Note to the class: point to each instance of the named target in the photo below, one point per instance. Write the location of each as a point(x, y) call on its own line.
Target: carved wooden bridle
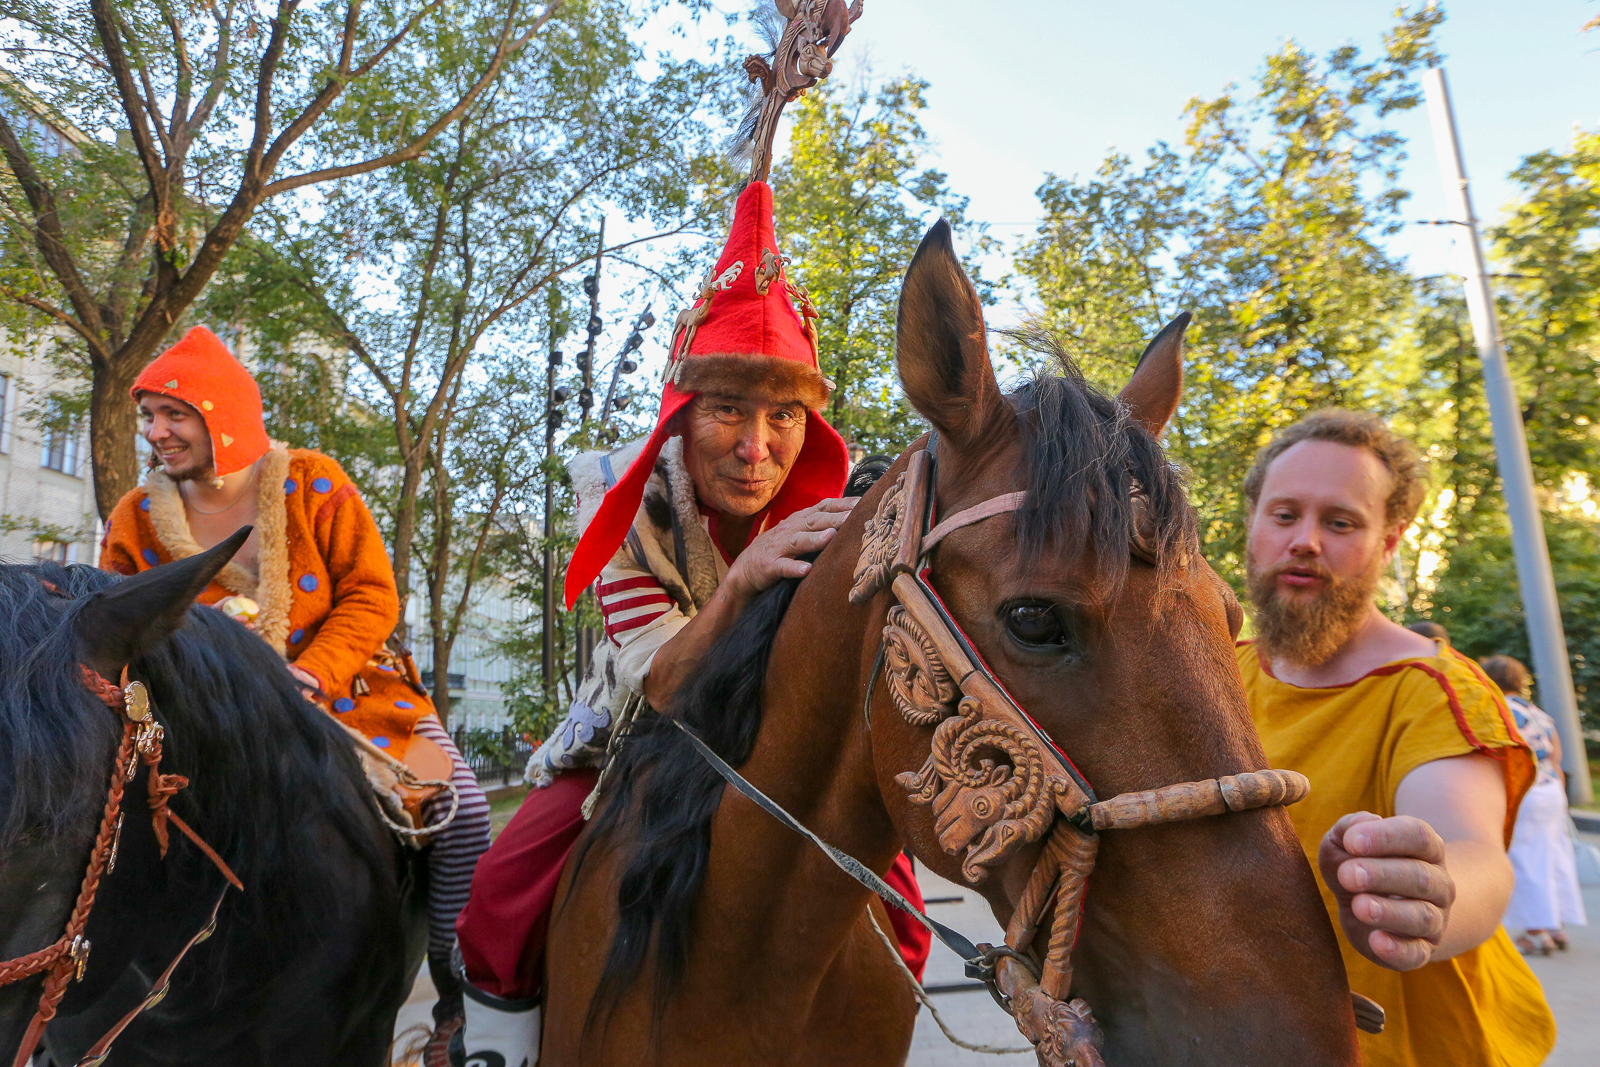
point(994, 779)
point(64, 960)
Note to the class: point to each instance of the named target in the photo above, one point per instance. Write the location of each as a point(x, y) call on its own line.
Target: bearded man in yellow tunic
point(1416, 768)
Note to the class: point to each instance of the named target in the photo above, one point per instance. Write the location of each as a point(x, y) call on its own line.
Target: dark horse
point(695, 929)
point(310, 963)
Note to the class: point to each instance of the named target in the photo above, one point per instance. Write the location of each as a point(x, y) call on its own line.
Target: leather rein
point(64, 961)
point(995, 780)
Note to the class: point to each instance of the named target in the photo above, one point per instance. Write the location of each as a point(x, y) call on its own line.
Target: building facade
point(47, 507)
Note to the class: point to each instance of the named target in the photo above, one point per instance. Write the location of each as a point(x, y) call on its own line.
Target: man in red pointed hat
point(740, 478)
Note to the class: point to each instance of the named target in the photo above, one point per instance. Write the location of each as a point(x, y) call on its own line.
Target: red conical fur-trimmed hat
point(751, 333)
point(200, 371)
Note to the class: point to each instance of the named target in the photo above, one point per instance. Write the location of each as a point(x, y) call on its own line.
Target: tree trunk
point(113, 426)
point(405, 530)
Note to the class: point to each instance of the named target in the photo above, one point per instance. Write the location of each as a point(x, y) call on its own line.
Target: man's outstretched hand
point(773, 556)
point(1393, 889)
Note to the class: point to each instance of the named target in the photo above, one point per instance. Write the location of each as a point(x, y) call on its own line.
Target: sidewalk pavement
point(1571, 980)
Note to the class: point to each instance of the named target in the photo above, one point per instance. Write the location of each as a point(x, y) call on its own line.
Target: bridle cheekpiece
point(995, 780)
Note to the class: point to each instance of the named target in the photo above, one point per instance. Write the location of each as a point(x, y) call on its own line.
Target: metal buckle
point(985, 966)
point(116, 843)
point(78, 952)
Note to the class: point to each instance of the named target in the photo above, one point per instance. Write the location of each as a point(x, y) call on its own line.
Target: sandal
point(1534, 941)
point(1558, 938)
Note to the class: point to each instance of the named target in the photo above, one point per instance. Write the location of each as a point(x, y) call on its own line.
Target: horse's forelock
point(1086, 461)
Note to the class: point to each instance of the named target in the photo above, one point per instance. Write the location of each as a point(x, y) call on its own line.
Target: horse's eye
point(1036, 626)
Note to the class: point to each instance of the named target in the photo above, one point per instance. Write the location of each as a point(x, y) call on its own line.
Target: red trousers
point(506, 922)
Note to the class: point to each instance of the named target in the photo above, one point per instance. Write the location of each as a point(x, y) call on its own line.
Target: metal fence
point(497, 757)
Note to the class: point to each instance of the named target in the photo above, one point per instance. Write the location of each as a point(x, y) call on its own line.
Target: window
point(5, 413)
point(53, 552)
point(61, 450)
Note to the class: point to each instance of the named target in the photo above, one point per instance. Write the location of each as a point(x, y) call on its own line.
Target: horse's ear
point(121, 623)
point(1151, 395)
point(940, 344)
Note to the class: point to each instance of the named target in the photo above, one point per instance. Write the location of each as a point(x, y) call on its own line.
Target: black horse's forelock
point(1083, 456)
point(236, 727)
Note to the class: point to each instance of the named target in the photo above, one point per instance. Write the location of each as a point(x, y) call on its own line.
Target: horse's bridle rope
point(64, 960)
point(986, 809)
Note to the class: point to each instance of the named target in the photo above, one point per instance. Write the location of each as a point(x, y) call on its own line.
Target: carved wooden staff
point(815, 30)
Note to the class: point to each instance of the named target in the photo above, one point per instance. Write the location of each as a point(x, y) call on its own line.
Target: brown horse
point(694, 929)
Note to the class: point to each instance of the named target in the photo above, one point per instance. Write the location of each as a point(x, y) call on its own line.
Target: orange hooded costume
point(325, 587)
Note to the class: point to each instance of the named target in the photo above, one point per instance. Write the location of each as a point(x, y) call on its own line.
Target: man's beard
point(1310, 631)
point(192, 474)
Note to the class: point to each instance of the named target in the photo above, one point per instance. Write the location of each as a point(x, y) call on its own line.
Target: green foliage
point(403, 313)
point(1548, 267)
point(851, 207)
point(1479, 603)
point(1549, 287)
point(1267, 226)
point(182, 121)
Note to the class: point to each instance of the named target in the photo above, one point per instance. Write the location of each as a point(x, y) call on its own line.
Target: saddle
point(403, 788)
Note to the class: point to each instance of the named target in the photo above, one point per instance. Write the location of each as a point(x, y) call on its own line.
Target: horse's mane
point(270, 774)
point(1082, 455)
point(1086, 460)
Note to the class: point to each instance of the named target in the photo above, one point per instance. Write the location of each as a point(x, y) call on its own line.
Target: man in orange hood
point(317, 571)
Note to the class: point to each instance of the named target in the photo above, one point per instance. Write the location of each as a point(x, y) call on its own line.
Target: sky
point(1022, 88)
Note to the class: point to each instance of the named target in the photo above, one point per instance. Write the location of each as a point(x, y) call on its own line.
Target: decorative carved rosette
point(879, 543)
point(921, 686)
point(985, 780)
point(1064, 1033)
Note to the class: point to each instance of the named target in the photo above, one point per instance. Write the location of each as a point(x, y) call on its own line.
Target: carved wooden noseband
point(994, 779)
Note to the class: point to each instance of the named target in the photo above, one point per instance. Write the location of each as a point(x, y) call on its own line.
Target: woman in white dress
point(1546, 895)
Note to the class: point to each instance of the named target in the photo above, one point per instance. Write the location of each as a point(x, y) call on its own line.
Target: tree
point(1547, 269)
point(431, 275)
point(1479, 602)
point(1267, 226)
point(1549, 298)
point(117, 240)
point(851, 207)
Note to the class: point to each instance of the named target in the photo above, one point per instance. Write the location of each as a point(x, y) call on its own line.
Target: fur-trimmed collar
point(702, 576)
point(271, 591)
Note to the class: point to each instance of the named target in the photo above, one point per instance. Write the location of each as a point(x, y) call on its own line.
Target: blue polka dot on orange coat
point(322, 485)
point(307, 583)
point(289, 486)
point(149, 556)
point(404, 704)
point(344, 704)
point(144, 505)
point(381, 742)
point(294, 638)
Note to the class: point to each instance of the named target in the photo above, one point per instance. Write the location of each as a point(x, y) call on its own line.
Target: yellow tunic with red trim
point(1356, 742)
point(325, 587)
